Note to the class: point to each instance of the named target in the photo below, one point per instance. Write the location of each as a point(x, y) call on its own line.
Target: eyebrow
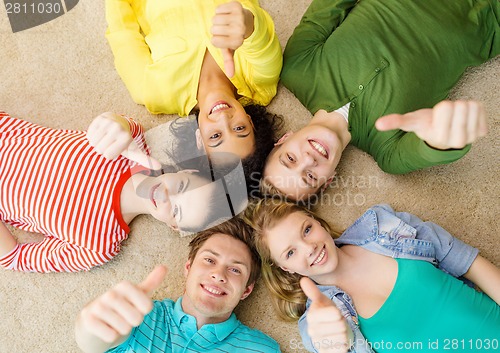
point(216, 254)
point(221, 141)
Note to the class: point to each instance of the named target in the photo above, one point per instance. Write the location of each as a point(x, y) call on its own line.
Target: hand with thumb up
point(109, 134)
point(108, 320)
point(327, 327)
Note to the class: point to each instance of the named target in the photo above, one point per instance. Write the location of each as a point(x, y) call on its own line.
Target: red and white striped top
point(54, 183)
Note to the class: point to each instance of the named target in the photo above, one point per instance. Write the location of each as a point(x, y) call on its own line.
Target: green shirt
point(391, 56)
point(431, 311)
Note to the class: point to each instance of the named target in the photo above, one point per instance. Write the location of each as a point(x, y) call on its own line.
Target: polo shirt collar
point(222, 330)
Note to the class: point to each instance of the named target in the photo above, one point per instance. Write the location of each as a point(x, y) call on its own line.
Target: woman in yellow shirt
point(214, 57)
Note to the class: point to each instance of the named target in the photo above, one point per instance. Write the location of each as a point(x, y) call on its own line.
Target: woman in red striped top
point(82, 189)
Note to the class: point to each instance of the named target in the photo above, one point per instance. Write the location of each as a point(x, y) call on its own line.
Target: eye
point(289, 254)
point(215, 136)
point(311, 176)
point(209, 260)
point(175, 211)
point(307, 230)
point(235, 270)
point(290, 158)
point(239, 128)
point(181, 186)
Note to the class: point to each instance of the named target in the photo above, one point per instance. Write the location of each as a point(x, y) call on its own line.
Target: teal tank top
point(431, 311)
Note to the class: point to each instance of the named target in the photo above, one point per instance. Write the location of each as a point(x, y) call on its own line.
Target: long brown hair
point(286, 295)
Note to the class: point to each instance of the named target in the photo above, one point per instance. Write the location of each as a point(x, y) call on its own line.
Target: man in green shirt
point(352, 62)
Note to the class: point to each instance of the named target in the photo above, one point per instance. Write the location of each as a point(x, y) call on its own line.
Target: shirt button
point(361, 87)
point(353, 104)
point(377, 69)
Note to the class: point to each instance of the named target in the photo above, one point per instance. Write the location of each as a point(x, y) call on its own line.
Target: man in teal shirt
point(351, 62)
point(221, 270)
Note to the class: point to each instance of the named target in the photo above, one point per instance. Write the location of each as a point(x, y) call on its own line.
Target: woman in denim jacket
point(394, 303)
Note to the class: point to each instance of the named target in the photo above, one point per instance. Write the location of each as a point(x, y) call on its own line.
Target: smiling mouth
point(319, 147)
point(219, 106)
point(213, 290)
point(320, 257)
point(152, 194)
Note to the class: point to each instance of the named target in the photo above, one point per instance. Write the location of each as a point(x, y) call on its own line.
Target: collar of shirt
point(221, 330)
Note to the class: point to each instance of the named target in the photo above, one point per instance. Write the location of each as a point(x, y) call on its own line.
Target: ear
point(187, 267)
point(286, 270)
point(247, 291)
point(199, 140)
point(283, 138)
point(328, 181)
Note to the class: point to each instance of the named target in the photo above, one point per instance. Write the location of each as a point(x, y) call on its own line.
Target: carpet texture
point(61, 75)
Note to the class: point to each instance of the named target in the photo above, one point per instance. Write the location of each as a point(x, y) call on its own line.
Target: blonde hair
point(286, 295)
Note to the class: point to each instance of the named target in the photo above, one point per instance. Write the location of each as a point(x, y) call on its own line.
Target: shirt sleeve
point(452, 255)
point(318, 23)
point(52, 255)
point(407, 152)
point(137, 132)
point(131, 52)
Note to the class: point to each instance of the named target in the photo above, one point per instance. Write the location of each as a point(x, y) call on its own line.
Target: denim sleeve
point(360, 343)
point(453, 255)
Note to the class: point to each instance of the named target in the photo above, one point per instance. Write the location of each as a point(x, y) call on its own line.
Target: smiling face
point(178, 199)
point(299, 244)
point(304, 161)
point(216, 279)
point(224, 126)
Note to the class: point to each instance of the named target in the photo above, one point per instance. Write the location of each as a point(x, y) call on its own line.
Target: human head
point(303, 163)
point(194, 200)
point(286, 294)
point(220, 272)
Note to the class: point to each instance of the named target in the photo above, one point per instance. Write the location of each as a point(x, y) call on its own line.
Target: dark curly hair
point(266, 127)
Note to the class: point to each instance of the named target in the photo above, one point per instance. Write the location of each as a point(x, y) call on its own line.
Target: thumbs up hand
point(109, 134)
point(230, 26)
point(113, 315)
point(450, 124)
point(327, 327)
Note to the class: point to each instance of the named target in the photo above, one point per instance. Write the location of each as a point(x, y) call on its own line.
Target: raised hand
point(450, 124)
point(112, 316)
point(327, 327)
point(230, 26)
point(109, 134)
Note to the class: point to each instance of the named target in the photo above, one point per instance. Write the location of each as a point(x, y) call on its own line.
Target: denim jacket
point(398, 235)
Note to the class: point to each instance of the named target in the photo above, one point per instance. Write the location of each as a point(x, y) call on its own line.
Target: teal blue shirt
point(167, 328)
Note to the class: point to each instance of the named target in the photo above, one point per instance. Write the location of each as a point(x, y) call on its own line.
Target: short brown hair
point(237, 229)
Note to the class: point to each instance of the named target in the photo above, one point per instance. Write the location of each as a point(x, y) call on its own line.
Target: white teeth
point(213, 291)
point(318, 147)
point(219, 107)
point(320, 257)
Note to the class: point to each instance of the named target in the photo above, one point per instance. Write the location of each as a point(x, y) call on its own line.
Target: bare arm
point(7, 241)
point(486, 276)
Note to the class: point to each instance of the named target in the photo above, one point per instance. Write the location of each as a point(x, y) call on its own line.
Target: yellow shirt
point(159, 47)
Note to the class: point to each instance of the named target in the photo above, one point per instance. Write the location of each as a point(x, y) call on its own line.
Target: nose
point(307, 160)
point(218, 275)
point(310, 248)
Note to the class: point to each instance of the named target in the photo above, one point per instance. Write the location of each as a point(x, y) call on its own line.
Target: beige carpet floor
point(61, 75)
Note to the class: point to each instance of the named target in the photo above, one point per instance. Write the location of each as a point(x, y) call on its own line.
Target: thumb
point(153, 280)
point(228, 56)
point(312, 291)
point(135, 154)
point(406, 122)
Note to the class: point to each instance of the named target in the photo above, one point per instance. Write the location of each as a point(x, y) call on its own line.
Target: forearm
point(89, 343)
point(486, 276)
point(7, 241)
